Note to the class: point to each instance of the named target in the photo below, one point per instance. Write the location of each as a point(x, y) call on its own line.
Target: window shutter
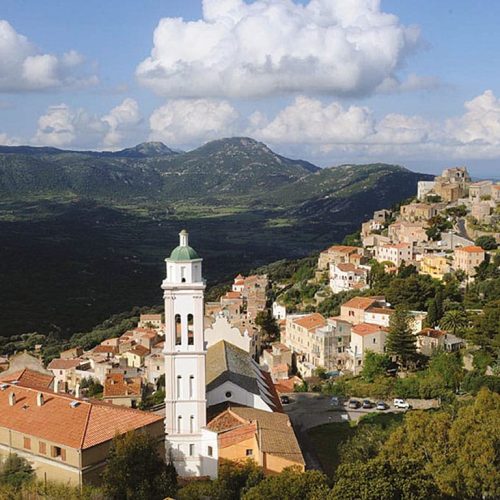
point(63, 454)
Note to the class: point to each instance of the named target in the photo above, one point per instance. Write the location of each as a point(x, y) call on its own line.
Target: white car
point(401, 403)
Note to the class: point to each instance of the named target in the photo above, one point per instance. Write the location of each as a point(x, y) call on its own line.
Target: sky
point(329, 81)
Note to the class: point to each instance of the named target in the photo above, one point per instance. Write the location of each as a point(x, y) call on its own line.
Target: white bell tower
point(192, 447)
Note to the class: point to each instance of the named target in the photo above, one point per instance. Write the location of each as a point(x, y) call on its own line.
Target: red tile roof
point(63, 364)
point(360, 302)
point(311, 321)
point(87, 424)
point(366, 329)
point(470, 249)
point(117, 385)
point(29, 378)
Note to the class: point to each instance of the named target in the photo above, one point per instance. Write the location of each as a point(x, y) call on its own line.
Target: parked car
point(334, 401)
point(354, 404)
point(367, 404)
point(401, 403)
point(382, 406)
point(285, 399)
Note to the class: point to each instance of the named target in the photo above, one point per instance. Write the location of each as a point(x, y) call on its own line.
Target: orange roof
point(342, 249)
point(360, 302)
point(139, 350)
point(311, 321)
point(470, 249)
point(431, 332)
point(287, 385)
point(87, 424)
point(104, 349)
point(346, 267)
point(117, 385)
point(150, 317)
point(63, 364)
point(366, 329)
point(29, 378)
point(232, 295)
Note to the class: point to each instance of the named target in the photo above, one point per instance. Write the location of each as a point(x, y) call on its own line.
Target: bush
point(475, 380)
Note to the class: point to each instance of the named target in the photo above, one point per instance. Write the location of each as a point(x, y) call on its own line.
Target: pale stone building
point(344, 277)
point(468, 258)
point(397, 253)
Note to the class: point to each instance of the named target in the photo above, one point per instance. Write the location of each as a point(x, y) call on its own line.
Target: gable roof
point(360, 302)
point(30, 378)
point(311, 321)
point(226, 362)
point(366, 329)
point(63, 364)
point(117, 385)
point(81, 426)
point(470, 249)
point(274, 431)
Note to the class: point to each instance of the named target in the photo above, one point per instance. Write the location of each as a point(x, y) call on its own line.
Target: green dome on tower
point(183, 251)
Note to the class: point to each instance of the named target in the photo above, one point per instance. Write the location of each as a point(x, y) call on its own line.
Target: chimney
point(56, 385)
point(77, 391)
point(39, 399)
point(12, 399)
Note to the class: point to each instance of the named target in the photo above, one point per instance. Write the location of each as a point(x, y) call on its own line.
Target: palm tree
point(454, 321)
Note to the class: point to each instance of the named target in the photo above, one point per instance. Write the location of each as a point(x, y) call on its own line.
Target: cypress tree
point(439, 303)
point(400, 340)
point(432, 313)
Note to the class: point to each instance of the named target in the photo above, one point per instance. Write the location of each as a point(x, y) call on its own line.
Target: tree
point(135, 469)
point(486, 242)
point(268, 325)
point(374, 365)
point(432, 313)
point(93, 387)
point(448, 368)
point(292, 484)
point(454, 321)
point(400, 339)
point(15, 471)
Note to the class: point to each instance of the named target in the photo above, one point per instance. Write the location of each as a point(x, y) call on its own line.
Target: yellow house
point(136, 356)
point(266, 437)
point(435, 265)
point(65, 439)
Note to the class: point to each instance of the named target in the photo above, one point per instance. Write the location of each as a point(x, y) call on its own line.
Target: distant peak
point(147, 149)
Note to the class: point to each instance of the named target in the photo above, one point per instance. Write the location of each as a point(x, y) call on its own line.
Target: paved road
point(461, 229)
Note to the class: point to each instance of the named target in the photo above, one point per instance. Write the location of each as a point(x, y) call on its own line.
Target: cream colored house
point(397, 253)
point(408, 232)
point(420, 211)
point(136, 356)
point(339, 254)
point(365, 337)
point(468, 258)
point(66, 439)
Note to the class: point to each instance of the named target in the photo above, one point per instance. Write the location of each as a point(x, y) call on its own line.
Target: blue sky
point(328, 81)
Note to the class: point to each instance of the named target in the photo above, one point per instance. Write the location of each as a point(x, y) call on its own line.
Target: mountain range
point(83, 234)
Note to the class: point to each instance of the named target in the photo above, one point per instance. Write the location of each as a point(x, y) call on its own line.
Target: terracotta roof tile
point(366, 329)
point(63, 364)
point(117, 385)
point(470, 249)
point(29, 378)
point(83, 426)
point(360, 302)
point(311, 321)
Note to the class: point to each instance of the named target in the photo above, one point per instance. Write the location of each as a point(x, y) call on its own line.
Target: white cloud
point(324, 129)
point(269, 47)
point(24, 68)
point(121, 120)
point(188, 122)
point(63, 126)
point(6, 140)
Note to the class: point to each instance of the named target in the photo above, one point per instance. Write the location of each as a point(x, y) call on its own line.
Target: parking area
point(307, 410)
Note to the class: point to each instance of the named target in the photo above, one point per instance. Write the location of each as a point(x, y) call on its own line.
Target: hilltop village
point(221, 380)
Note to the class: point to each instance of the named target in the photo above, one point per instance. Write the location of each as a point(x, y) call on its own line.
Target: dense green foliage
point(14, 471)
point(401, 341)
point(136, 471)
